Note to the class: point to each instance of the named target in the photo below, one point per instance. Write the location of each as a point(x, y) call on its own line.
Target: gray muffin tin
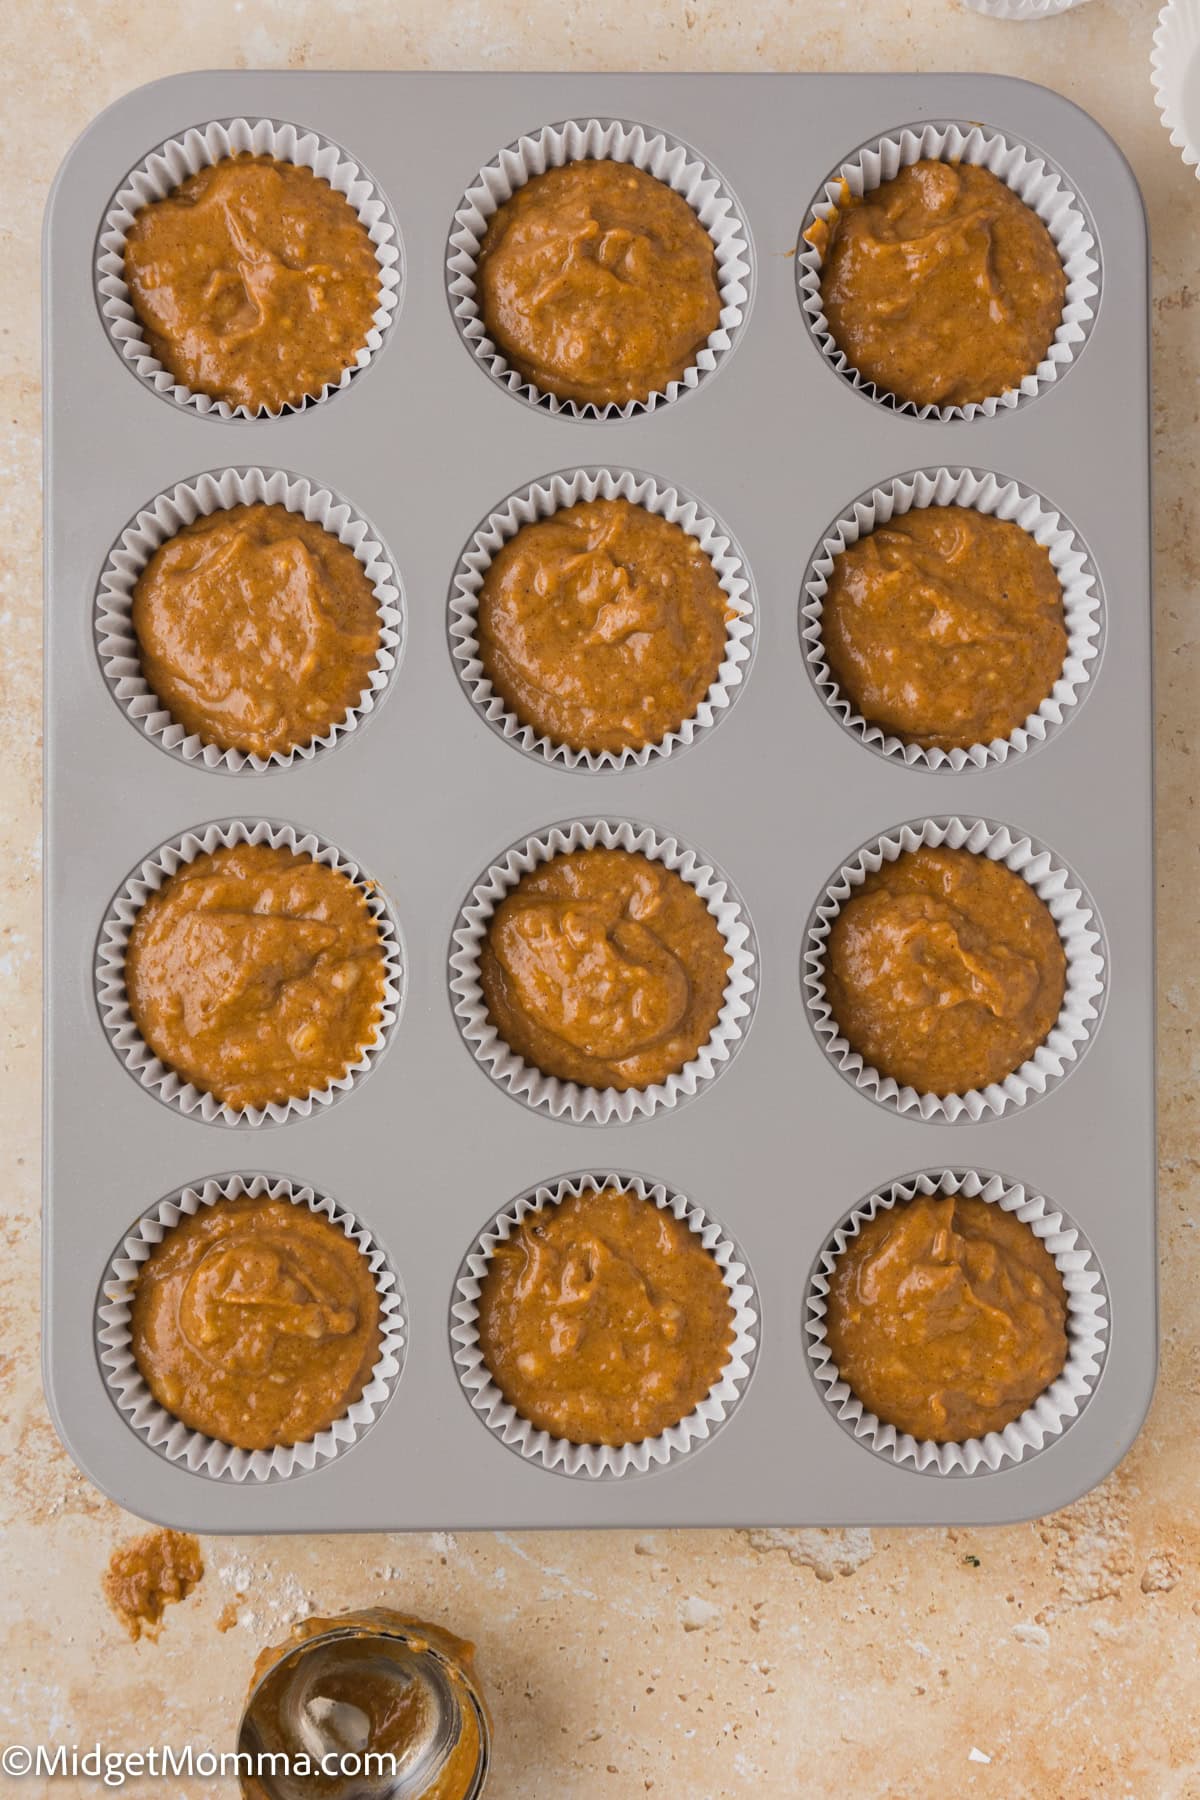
point(778, 1150)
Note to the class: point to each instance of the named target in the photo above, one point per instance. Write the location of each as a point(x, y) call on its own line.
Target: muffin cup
point(1022, 9)
point(1053, 1411)
point(567, 1099)
point(583, 140)
point(1176, 51)
point(169, 1436)
point(995, 497)
point(163, 1082)
point(1074, 914)
point(603, 1460)
point(1032, 179)
point(541, 501)
point(169, 165)
point(166, 515)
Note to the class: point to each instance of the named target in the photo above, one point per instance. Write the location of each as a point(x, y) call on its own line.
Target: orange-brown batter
point(148, 1574)
point(947, 1317)
point(604, 1320)
point(598, 283)
point(258, 630)
point(945, 970)
point(257, 974)
point(255, 281)
point(605, 968)
point(256, 1322)
point(941, 286)
point(603, 626)
point(945, 627)
point(396, 1717)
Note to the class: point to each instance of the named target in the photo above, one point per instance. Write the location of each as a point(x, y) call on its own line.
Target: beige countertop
point(1056, 1659)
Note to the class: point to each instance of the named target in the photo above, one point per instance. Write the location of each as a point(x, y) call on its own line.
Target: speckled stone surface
point(1055, 1661)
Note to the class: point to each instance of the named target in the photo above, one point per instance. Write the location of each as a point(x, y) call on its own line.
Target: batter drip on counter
point(945, 971)
point(257, 974)
point(257, 629)
point(947, 1317)
point(605, 968)
point(255, 282)
point(940, 286)
point(603, 1319)
point(603, 626)
point(945, 626)
point(148, 1574)
point(598, 283)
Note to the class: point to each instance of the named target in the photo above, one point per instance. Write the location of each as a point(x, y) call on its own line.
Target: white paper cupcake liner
point(167, 1435)
point(1032, 178)
point(1074, 913)
point(567, 1099)
point(1053, 1411)
point(1174, 63)
point(581, 140)
point(169, 165)
point(540, 501)
point(163, 1082)
point(998, 498)
point(166, 515)
point(1022, 9)
point(596, 1461)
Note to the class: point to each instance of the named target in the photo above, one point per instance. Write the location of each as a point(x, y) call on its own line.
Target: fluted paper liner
point(1074, 914)
point(1022, 10)
point(169, 1436)
point(998, 498)
point(581, 140)
point(1032, 179)
point(603, 1460)
point(167, 514)
point(169, 165)
point(540, 501)
point(1053, 1411)
point(1173, 64)
point(115, 1014)
point(567, 1099)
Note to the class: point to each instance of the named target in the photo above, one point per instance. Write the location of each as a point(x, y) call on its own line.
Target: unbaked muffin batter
point(945, 970)
point(256, 973)
point(605, 968)
point(945, 627)
point(257, 629)
point(947, 1317)
point(941, 286)
point(604, 1320)
point(603, 626)
point(256, 1321)
point(598, 283)
point(255, 281)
